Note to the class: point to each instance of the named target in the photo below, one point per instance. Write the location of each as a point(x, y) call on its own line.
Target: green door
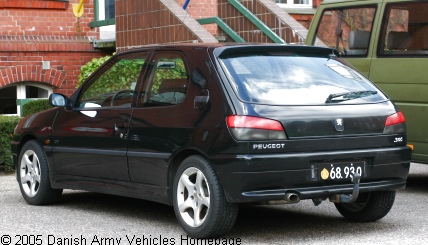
point(400, 67)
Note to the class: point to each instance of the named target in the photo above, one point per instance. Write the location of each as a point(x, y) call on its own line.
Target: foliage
point(34, 107)
point(7, 125)
point(87, 69)
point(179, 71)
point(120, 76)
point(123, 73)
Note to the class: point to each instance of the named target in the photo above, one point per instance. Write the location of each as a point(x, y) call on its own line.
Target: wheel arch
point(175, 164)
point(24, 139)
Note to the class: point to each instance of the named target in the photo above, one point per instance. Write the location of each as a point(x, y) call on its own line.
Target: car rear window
point(286, 78)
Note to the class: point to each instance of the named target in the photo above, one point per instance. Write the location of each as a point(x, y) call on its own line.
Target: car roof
point(193, 45)
point(222, 47)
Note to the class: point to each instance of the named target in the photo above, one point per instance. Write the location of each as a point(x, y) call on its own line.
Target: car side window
point(168, 81)
point(115, 86)
point(346, 29)
point(404, 30)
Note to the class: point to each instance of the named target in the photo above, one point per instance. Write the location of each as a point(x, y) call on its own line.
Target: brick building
point(42, 48)
point(43, 45)
point(164, 21)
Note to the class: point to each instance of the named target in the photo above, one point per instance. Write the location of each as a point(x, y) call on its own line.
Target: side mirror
point(58, 100)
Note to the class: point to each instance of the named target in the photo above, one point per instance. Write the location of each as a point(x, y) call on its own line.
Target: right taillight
point(395, 124)
point(255, 128)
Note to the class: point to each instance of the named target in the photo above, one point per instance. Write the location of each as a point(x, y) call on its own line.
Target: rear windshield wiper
point(350, 95)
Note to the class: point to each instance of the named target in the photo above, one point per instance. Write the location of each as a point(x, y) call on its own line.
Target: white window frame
point(109, 31)
point(290, 4)
point(21, 93)
point(101, 10)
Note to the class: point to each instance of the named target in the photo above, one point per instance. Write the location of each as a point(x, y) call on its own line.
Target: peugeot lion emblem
point(338, 124)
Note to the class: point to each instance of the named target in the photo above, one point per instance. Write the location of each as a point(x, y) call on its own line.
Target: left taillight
point(255, 128)
point(395, 124)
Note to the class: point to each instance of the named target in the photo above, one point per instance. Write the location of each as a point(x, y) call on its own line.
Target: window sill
point(99, 23)
point(310, 11)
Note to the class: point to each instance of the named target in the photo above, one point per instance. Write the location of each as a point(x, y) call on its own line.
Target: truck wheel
point(199, 201)
point(33, 176)
point(368, 207)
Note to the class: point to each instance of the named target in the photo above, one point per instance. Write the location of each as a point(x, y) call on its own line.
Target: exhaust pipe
point(288, 199)
point(292, 198)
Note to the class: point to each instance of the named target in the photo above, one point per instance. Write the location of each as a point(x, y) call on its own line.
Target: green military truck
point(387, 40)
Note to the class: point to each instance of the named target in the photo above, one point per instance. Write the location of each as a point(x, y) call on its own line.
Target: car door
point(162, 121)
point(90, 139)
point(400, 67)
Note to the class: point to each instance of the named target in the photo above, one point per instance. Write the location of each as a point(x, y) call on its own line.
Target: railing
point(222, 25)
point(285, 28)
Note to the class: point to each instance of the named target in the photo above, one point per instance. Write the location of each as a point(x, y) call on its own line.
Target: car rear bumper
point(255, 178)
point(324, 191)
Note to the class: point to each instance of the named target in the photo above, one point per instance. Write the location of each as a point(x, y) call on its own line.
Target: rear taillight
point(395, 124)
point(395, 118)
point(255, 128)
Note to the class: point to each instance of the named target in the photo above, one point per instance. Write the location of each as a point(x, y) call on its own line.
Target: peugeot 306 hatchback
point(205, 127)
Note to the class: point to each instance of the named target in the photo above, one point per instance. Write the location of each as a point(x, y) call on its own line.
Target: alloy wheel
point(193, 197)
point(30, 173)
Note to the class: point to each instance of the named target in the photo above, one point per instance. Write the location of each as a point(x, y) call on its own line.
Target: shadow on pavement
point(418, 178)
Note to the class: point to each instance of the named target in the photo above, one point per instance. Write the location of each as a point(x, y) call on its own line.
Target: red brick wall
point(20, 62)
point(316, 3)
point(18, 20)
point(271, 15)
point(304, 19)
point(200, 9)
point(32, 31)
point(155, 22)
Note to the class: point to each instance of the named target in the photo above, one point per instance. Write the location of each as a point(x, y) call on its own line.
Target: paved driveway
point(95, 219)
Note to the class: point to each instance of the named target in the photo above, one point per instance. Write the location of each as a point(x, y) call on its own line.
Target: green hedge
point(35, 106)
point(7, 125)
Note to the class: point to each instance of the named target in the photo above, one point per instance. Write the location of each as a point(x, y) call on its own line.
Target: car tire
point(368, 207)
point(33, 176)
point(199, 201)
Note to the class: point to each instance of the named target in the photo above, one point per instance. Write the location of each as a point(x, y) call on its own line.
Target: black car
point(205, 127)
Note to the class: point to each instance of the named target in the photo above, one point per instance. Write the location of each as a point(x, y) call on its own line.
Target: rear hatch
point(326, 128)
point(319, 100)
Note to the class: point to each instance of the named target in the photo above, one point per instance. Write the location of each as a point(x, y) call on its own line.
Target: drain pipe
point(185, 4)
